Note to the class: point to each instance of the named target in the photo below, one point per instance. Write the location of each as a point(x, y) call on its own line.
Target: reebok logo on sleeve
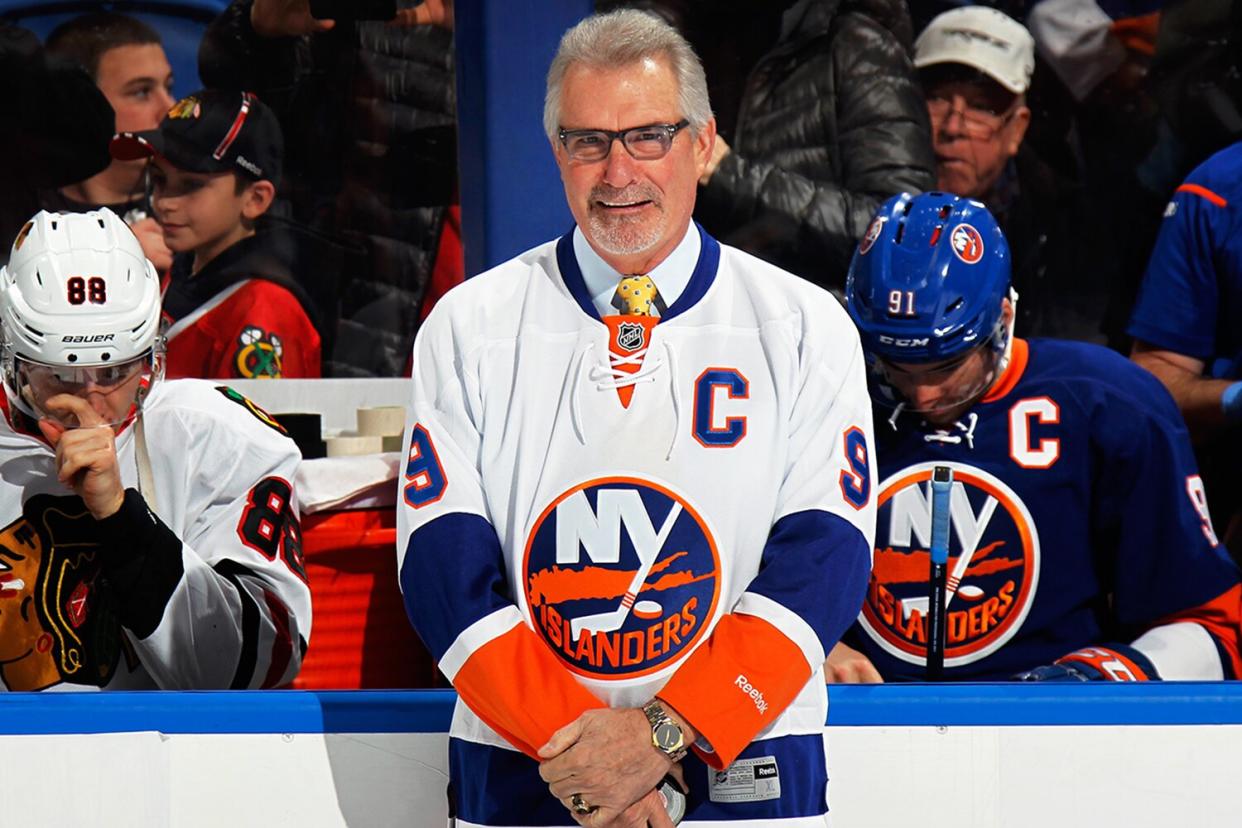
point(751, 691)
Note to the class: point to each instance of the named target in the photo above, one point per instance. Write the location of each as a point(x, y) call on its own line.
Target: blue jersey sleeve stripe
point(452, 576)
point(816, 565)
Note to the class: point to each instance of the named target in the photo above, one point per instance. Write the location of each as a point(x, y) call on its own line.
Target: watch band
point(666, 735)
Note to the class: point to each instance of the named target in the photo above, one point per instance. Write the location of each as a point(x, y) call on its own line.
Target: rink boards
point(913, 755)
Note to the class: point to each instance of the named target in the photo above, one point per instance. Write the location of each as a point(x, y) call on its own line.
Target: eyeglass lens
point(645, 143)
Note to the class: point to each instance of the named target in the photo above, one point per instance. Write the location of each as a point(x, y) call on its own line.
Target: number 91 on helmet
point(80, 305)
point(928, 289)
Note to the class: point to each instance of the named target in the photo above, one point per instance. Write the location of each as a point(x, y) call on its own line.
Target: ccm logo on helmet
point(88, 340)
point(902, 342)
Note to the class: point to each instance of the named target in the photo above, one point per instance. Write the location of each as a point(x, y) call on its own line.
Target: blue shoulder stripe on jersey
point(452, 575)
point(700, 280)
point(493, 786)
point(816, 564)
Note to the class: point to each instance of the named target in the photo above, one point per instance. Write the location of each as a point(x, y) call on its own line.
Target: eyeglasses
point(644, 143)
point(978, 122)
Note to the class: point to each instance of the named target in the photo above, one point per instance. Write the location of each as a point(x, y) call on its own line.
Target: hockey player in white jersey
point(637, 507)
point(148, 529)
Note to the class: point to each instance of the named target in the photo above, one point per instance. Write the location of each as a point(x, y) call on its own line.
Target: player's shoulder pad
point(1218, 180)
point(209, 404)
point(776, 294)
point(1095, 374)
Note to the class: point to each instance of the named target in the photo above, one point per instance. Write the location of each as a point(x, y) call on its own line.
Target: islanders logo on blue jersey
point(622, 577)
point(993, 565)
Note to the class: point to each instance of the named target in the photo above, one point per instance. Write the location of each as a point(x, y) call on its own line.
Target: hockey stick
point(613, 619)
point(942, 486)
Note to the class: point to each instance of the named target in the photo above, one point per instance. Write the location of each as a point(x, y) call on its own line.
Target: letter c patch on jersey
point(621, 577)
point(712, 427)
point(994, 562)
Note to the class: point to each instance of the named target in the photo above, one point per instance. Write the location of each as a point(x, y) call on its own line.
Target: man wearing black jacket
point(65, 126)
point(831, 122)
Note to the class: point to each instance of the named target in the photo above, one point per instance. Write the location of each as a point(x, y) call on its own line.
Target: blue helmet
point(927, 279)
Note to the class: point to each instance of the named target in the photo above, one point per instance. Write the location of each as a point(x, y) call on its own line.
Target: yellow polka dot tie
point(638, 296)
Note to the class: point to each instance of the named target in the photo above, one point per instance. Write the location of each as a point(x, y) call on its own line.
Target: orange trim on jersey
point(1103, 661)
point(1195, 189)
point(614, 323)
point(518, 687)
point(1018, 356)
point(1138, 34)
point(1221, 617)
point(736, 684)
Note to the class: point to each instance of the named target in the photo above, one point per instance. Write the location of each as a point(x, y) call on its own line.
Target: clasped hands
point(605, 757)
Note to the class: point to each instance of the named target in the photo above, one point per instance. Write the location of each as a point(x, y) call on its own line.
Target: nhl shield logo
point(630, 336)
point(622, 577)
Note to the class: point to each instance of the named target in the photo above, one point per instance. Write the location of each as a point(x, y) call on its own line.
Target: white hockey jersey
point(210, 594)
point(594, 511)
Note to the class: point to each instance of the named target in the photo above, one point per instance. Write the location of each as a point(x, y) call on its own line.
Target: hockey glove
point(1112, 662)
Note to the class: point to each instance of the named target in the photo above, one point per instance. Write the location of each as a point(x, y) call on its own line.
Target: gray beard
point(623, 237)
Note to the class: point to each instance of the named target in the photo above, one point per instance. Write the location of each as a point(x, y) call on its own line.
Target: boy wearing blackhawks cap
point(231, 306)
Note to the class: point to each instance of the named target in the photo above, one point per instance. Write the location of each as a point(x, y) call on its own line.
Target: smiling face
point(204, 212)
point(632, 213)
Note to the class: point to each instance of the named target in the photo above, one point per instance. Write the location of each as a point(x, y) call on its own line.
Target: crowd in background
point(1114, 141)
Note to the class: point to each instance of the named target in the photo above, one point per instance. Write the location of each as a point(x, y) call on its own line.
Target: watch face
point(668, 736)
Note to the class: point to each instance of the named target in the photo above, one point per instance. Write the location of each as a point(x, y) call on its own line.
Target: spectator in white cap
point(975, 64)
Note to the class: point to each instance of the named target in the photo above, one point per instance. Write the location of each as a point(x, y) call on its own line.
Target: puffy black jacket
point(369, 115)
point(832, 122)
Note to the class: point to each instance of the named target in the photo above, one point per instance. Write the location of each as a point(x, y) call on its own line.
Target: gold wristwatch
point(666, 735)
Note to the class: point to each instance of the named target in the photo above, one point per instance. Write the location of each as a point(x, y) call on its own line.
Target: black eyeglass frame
point(620, 135)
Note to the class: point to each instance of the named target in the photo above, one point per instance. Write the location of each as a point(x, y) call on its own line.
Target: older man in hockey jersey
point(637, 508)
point(149, 529)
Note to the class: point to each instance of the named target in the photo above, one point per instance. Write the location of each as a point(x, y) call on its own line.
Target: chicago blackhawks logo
point(967, 243)
point(993, 566)
point(57, 622)
point(259, 354)
point(621, 576)
point(187, 107)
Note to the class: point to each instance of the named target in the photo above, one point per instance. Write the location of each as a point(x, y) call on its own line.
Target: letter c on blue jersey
point(737, 387)
point(425, 480)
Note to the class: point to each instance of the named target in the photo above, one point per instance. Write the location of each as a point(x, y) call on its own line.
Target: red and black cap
point(212, 131)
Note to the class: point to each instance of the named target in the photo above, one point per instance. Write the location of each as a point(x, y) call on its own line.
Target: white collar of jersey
point(671, 275)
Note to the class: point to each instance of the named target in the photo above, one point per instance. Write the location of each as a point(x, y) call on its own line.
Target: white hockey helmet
point(79, 302)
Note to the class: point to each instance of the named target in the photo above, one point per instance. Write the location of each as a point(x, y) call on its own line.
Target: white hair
point(623, 38)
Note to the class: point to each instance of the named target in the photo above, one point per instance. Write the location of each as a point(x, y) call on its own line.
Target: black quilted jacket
point(831, 123)
point(369, 115)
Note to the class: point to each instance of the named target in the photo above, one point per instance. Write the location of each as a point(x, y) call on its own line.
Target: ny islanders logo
point(873, 232)
point(993, 566)
point(967, 243)
point(622, 577)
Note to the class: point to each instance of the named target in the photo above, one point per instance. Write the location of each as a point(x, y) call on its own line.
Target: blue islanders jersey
point(1077, 519)
point(1190, 301)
